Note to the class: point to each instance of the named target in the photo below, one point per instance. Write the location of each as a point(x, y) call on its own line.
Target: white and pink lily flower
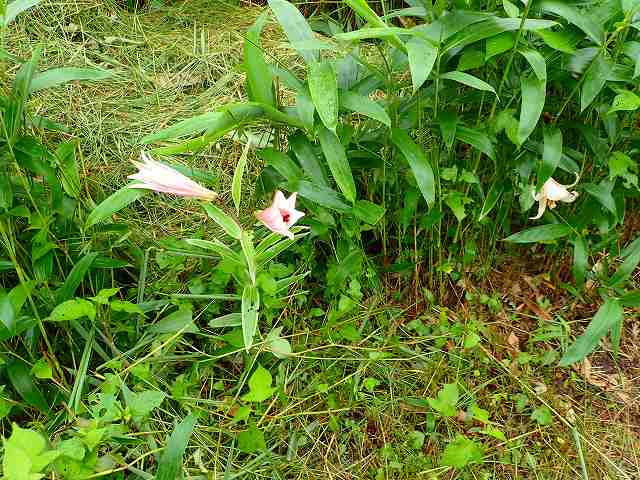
point(161, 178)
point(553, 192)
point(281, 215)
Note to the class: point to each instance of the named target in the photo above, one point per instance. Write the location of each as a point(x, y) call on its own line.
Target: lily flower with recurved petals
point(281, 215)
point(553, 192)
point(161, 178)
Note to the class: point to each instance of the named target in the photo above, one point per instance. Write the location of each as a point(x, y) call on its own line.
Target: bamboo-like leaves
point(323, 86)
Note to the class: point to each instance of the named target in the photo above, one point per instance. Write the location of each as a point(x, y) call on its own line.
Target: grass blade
point(170, 465)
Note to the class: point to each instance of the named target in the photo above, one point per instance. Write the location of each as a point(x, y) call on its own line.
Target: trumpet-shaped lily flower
point(281, 215)
point(161, 178)
point(553, 192)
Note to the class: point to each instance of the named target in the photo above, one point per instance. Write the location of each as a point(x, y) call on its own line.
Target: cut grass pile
point(352, 400)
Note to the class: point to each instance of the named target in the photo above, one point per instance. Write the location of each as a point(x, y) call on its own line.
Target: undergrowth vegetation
point(372, 241)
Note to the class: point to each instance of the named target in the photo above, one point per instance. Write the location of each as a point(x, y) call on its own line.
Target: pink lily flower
point(553, 192)
point(160, 178)
point(281, 215)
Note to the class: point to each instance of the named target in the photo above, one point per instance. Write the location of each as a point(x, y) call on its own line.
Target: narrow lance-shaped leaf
point(113, 203)
point(365, 106)
point(250, 308)
point(170, 465)
point(580, 19)
point(533, 98)
point(249, 254)
point(228, 224)
point(542, 233)
point(580, 260)
point(418, 162)
point(238, 173)
point(537, 62)
point(258, 73)
point(609, 314)
point(469, 80)
point(323, 86)
point(422, 57)
point(551, 154)
point(296, 28)
point(594, 80)
point(362, 8)
point(59, 76)
point(15, 8)
point(338, 164)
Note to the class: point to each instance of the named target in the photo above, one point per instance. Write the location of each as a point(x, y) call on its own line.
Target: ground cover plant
point(390, 240)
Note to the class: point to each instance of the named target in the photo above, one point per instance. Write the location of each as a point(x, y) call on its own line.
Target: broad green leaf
point(305, 108)
point(580, 260)
point(228, 320)
point(622, 166)
point(537, 63)
point(562, 41)
point(336, 158)
point(456, 201)
point(238, 173)
point(70, 177)
point(446, 401)
point(323, 196)
point(625, 100)
point(72, 310)
point(462, 452)
point(542, 416)
point(448, 122)
point(594, 80)
point(580, 18)
point(418, 162)
point(476, 139)
point(632, 50)
point(216, 246)
point(282, 163)
point(422, 57)
point(631, 299)
point(533, 99)
point(141, 404)
point(251, 440)
point(362, 8)
point(170, 465)
point(75, 277)
point(124, 306)
point(628, 6)
point(250, 309)
point(42, 370)
point(501, 43)
point(608, 315)
point(364, 106)
point(295, 27)
point(180, 320)
point(260, 388)
point(258, 73)
point(59, 76)
point(26, 455)
point(631, 256)
point(228, 224)
point(510, 9)
point(603, 193)
point(306, 155)
point(551, 154)
point(15, 8)
point(468, 80)
point(113, 203)
point(20, 376)
point(541, 233)
point(323, 86)
point(492, 199)
point(368, 212)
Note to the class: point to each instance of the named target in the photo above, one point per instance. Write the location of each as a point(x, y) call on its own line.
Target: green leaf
point(631, 256)
point(603, 193)
point(321, 195)
point(295, 27)
point(629, 5)
point(126, 307)
point(541, 233)
point(170, 466)
point(42, 370)
point(362, 8)
point(251, 440)
point(70, 177)
point(249, 254)
point(228, 320)
point(364, 106)
point(228, 224)
point(476, 139)
point(418, 162)
point(537, 63)
point(533, 99)
point(216, 246)
point(238, 173)
point(304, 152)
point(631, 299)
point(113, 203)
point(468, 80)
point(446, 401)
point(368, 212)
point(259, 75)
point(608, 315)
point(492, 199)
point(20, 376)
point(422, 57)
point(59, 76)
point(621, 166)
point(626, 101)
point(501, 43)
point(277, 345)
point(283, 164)
point(260, 388)
point(15, 8)
point(580, 260)
point(542, 416)
point(72, 310)
point(462, 452)
point(551, 155)
point(72, 448)
point(448, 122)
point(579, 18)
point(594, 80)
point(336, 158)
point(510, 9)
point(323, 86)
point(26, 455)
point(181, 319)
point(250, 309)
point(305, 108)
point(141, 404)
point(562, 41)
point(75, 277)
